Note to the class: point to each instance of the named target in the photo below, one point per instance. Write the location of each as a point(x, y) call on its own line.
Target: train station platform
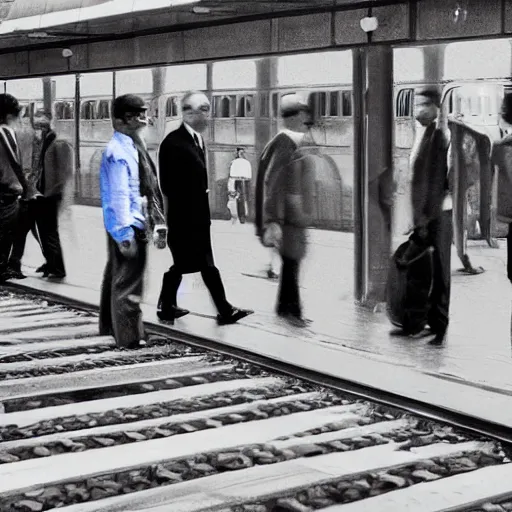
point(470, 373)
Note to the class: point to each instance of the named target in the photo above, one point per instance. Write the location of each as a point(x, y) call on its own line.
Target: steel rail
point(466, 422)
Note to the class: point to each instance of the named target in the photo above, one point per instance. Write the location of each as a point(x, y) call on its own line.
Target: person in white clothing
point(240, 174)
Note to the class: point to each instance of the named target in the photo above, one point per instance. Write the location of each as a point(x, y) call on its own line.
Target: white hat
point(292, 104)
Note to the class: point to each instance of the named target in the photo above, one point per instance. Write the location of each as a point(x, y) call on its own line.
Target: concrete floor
point(477, 351)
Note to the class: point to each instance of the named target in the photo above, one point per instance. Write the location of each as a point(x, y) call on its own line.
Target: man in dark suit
point(432, 204)
point(184, 185)
point(52, 170)
point(13, 183)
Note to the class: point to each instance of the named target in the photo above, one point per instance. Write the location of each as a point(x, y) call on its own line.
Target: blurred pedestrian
point(184, 184)
point(126, 185)
point(52, 172)
point(431, 212)
point(284, 202)
point(13, 182)
point(502, 158)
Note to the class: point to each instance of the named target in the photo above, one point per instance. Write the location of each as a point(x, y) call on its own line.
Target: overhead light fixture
point(38, 35)
point(201, 10)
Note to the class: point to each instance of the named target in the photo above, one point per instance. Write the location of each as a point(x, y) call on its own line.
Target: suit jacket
point(277, 155)
point(58, 167)
point(13, 182)
point(430, 175)
point(502, 158)
point(184, 182)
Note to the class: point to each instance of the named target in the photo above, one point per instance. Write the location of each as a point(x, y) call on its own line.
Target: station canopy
point(27, 22)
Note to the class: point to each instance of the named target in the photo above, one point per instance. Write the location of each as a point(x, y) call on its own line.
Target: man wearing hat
point(283, 202)
point(126, 184)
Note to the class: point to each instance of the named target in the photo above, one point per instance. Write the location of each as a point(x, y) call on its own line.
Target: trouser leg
point(105, 319)
point(509, 252)
point(441, 235)
point(8, 220)
point(26, 221)
point(289, 295)
point(126, 294)
point(213, 281)
point(169, 292)
point(48, 227)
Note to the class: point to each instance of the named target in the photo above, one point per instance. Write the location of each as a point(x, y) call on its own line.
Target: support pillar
point(48, 95)
point(373, 170)
point(209, 95)
point(433, 64)
point(159, 77)
point(78, 174)
point(266, 82)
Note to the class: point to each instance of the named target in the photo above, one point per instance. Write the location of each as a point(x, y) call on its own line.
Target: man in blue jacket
point(127, 185)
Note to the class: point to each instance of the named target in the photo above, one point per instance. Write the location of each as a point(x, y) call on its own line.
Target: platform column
point(433, 64)
point(373, 170)
point(48, 95)
point(266, 82)
point(158, 76)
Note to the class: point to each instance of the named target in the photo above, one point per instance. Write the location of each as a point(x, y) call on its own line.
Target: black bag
point(410, 284)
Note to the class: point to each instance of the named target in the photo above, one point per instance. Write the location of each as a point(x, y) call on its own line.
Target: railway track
point(174, 428)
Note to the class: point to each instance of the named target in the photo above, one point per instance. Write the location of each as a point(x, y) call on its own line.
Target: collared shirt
point(120, 188)
point(194, 135)
point(240, 168)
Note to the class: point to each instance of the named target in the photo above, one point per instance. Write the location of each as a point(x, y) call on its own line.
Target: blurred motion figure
point(284, 201)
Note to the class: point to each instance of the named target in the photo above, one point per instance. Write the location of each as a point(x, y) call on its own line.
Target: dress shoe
point(14, 273)
point(272, 275)
point(439, 338)
point(5, 276)
point(171, 314)
point(414, 334)
point(54, 275)
point(135, 346)
point(296, 321)
point(235, 315)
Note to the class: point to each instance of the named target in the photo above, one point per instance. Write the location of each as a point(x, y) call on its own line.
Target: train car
point(237, 114)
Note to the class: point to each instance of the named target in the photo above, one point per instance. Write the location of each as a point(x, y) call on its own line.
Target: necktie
point(12, 142)
point(196, 139)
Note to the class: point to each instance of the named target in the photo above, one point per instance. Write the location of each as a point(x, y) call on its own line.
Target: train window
point(275, 104)
point(449, 101)
point(88, 110)
point(153, 108)
point(405, 103)
point(346, 103)
point(263, 104)
point(104, 109)
point(240, 110)
point(474, 106)
point(321, 104)
point(59, 110)
point(223, 106)
point(334, 104)
point(249, 106)
point(171, 107)
point(68, 110)
point(485, 106)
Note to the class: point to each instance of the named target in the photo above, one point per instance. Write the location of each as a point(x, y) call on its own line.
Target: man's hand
point(159, 237)
point(128, 248)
